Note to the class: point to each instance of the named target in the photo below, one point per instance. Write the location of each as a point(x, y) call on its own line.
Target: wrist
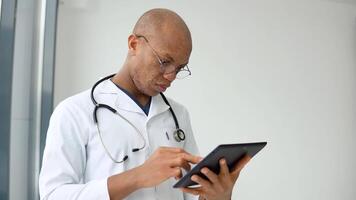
point(139, 181)
point(123, 184)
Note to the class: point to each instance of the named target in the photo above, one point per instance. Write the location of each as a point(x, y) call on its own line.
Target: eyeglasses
point(167, 66)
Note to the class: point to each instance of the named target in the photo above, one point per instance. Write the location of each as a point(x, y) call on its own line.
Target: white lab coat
point(75, 165)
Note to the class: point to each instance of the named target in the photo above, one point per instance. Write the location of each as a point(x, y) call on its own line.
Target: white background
point(278, 71)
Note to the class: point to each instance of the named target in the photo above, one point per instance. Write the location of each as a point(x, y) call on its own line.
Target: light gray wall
point(277, 71)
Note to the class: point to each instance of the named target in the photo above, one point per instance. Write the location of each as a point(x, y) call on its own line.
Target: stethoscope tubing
point(179, 134)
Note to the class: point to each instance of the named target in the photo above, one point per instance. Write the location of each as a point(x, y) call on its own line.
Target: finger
point(179, 176)
point(187, 167)
point(224, 169)
point(176, 173)
point(213, 178)
point(190, 158)
point(205, 184)
point(180, 162)
point(172, 149)
point(193, 191)
point(200, 158)
point(241, 164)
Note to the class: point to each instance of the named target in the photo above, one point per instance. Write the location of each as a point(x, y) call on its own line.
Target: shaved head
point(164, 25)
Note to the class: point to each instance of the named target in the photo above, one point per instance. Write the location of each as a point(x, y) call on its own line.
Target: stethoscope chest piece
point(179, 135)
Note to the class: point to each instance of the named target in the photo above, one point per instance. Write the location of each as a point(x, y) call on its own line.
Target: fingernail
point(194, 178)
point(222, 161)
point(204, 171)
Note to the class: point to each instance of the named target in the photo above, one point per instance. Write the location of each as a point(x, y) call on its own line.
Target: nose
point(170, 76)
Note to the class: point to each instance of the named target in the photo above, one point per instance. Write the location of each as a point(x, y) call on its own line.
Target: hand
point(164, 163)
point(219, 186)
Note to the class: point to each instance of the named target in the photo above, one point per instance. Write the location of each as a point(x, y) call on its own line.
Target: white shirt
point(75, 164)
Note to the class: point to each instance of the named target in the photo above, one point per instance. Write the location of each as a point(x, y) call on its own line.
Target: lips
point(162, 87)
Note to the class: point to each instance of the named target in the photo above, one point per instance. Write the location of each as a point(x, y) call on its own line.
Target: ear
point(132, 44)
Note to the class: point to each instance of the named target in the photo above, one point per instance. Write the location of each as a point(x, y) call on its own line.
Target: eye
point(165, 62)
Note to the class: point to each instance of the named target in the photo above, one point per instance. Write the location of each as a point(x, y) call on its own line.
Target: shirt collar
point(123, 102)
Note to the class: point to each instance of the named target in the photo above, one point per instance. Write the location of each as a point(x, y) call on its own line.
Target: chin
point(152, 94)
point(149, 92)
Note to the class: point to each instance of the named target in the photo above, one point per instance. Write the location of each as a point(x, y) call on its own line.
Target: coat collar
point(122, 101)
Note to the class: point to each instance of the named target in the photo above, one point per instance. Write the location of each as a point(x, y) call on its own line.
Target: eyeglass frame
point(164, 66)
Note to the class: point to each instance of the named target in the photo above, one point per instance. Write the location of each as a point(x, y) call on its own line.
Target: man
point(92, 159)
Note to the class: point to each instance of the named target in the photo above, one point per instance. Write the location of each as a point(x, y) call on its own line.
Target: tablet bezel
point(231, 152)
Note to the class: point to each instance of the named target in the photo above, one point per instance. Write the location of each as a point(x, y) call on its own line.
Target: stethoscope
point(178, 134)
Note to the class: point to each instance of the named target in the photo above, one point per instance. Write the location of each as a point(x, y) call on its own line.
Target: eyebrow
point(169, 57)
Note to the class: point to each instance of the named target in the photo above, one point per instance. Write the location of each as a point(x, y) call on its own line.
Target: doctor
point(123, 139)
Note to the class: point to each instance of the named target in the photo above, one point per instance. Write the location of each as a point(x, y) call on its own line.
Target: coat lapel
point(158, 106)
point(119, 99)
point(122, 101)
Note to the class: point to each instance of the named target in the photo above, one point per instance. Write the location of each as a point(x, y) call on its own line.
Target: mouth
point(162, 87)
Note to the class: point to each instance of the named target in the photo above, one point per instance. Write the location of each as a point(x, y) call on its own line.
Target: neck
point(124, 80)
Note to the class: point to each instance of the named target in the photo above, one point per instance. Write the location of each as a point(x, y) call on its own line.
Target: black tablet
point(231, 152)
